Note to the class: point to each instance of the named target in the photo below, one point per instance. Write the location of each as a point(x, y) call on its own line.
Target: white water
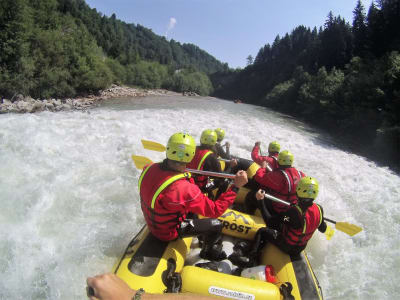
point(69, 204)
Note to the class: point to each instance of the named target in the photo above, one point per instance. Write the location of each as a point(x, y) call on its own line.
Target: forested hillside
point(60, 48)
point(342, 77)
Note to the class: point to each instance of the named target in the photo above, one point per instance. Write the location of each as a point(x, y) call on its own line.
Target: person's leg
point(251, 202)
point(245, 258)
point(211, 230)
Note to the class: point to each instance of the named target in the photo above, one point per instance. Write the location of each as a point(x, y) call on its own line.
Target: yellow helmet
point(285, 158)
point(307, 188)
point(220, 134)
point(181, 147)
point(274, 147)
point(208, 137)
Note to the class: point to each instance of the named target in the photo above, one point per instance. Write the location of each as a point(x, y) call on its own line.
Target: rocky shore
point(21, 104)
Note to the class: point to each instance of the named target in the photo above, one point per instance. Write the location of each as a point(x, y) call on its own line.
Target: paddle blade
point(348, 228)
point(150, 145)
point(329, 232)
point(141, 161)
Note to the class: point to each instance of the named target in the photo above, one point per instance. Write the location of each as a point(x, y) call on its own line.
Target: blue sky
point(229, 30)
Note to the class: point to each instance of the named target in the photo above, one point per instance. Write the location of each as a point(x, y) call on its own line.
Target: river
point(69, 202)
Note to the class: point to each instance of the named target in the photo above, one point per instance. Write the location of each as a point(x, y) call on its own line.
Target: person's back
point(205, 158)
point(299, 223)
point(168, 196)
point(219, 147)
point(175, 201)
point(271, 158)
point(281, 182)
point(289, 230)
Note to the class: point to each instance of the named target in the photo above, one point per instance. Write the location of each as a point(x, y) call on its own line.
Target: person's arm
point(110, 287)
point(255, 156)
point(197, 202)
point(271, 221)
point(228, 154)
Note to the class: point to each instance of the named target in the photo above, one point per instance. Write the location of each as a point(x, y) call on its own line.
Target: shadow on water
point(375, 151)
point(372, 152)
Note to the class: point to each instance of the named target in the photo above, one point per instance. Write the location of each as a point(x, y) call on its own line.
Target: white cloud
point(171, 25)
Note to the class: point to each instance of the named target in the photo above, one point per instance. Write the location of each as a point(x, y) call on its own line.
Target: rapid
point(69, 201)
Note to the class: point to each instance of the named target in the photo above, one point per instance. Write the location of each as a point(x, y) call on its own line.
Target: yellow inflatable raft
point(160, 267)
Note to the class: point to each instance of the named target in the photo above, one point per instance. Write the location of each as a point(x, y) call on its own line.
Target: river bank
point(21, 104)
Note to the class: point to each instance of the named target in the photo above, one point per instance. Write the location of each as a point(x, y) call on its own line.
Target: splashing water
point(69, 202)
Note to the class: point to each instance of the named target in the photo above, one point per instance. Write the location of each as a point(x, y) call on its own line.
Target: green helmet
point(307, 188)
point(208, 137)
point(285, 158)
point(274, 147)
point(181, 147)
point(220, 134)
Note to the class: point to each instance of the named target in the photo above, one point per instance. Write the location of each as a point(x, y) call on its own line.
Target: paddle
point(348, 228)
point(142, 161)
point(150, 145)
point(345, 227)
point(153, 146)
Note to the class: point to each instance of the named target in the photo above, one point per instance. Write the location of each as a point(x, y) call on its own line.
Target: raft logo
point(218, 291)
point(237, 216)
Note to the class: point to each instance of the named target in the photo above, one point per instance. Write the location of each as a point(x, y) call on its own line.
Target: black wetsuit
point(272, 234)
point(221, 152)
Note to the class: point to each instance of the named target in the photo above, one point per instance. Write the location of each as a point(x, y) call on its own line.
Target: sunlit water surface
point(69, 203)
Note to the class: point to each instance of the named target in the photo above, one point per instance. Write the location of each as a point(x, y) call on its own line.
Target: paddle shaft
point(212, 174)
point(286, 203)
point(330, 221)
point(230, 176)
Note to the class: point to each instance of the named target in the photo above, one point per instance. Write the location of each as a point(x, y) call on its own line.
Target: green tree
point(250, 60)
point(15, 65)
point(359, 29)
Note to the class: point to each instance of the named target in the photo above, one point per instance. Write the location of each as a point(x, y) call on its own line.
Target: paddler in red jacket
point(169, 198)
point(290, 230)
point(271, 158)
point(206, 159)
point(280, 183)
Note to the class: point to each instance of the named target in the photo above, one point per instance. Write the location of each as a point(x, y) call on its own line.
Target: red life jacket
point(288, 193)
point(312, 219)
point(274, 161)
point(197, 163)
point(152, 182)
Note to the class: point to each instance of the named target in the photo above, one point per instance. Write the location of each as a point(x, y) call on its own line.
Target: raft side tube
point(211, 283)
point(146, 259)
point(293, 269)
point(309, 286)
